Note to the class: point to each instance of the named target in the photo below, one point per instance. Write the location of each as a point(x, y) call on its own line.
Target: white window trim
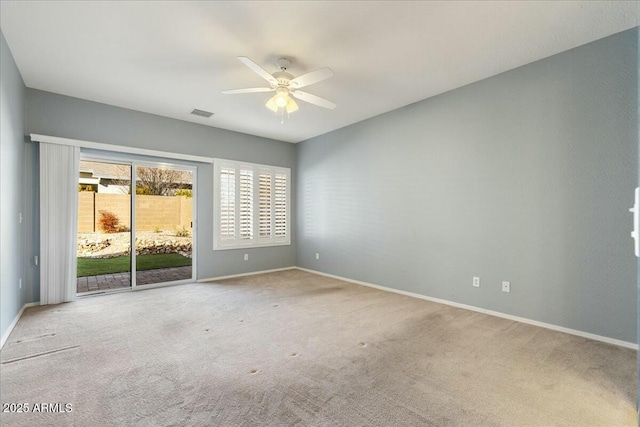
point(256, 241)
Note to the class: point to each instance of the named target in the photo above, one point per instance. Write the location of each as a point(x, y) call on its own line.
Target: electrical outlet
point(246, 257)
point(506, 286)
point(476, 282)
point(317, 255)
point(20, 218)
point(35, 260)
point(20, 284)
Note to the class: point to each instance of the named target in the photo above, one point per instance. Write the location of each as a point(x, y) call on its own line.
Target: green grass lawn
point(97, 266)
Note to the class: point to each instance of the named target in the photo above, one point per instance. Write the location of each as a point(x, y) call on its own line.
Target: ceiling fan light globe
point(271, 104)
point(281, 101)
point(291, 106)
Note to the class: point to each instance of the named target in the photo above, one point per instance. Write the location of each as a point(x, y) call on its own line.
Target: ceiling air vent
point(201, 113)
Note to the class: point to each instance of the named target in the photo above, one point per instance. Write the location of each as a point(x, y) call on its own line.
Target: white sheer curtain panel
point(59, 172)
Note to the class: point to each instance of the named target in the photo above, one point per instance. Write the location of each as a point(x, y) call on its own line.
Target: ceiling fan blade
point(258, 70)
point(312, 99)
point(248, 90)
point(312, 77)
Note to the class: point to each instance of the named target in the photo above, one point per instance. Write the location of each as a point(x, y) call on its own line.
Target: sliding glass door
point(157, 247)
point(104, 226)
point(164, 224)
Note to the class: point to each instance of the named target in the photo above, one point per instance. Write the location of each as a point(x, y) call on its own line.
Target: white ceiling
point(167, 58)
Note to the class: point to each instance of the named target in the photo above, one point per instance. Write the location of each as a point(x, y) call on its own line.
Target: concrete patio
point(123, 280)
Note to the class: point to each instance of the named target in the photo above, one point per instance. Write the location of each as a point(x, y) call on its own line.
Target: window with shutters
point(252, 205)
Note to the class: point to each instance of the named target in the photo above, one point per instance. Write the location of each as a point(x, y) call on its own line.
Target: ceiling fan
point(285, 86)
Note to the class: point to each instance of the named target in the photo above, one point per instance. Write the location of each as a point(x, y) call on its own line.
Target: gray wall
point(62, 116)
point(526, 176)
point(12, 161)
point(638, 275)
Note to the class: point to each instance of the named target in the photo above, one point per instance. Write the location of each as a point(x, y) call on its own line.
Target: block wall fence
point(163, 212)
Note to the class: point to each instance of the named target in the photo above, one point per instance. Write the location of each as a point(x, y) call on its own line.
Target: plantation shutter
point(252, 205)
point(280, 201)
point(246, 204)
point(265, 206)
point(227, 204)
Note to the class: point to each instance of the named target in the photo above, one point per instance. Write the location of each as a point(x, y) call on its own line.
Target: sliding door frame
point(125, 159)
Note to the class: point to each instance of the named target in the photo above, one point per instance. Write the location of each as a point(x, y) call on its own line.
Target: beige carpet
point(292, 348)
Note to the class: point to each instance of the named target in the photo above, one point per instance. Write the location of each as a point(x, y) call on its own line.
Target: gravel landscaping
point(101, 245)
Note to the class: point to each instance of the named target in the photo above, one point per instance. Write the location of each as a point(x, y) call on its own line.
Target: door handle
point(635, 234)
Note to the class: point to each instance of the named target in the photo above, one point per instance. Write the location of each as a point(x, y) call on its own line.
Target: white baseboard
point(13, 324)
point(252, 273)
point(485, 311)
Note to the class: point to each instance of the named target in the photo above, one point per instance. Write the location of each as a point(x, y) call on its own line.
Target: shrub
point(184, 192)
point(182, 232)
point(109, 222)
point(143, 190)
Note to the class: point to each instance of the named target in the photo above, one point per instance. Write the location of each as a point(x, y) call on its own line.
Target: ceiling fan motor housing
point(283, 78)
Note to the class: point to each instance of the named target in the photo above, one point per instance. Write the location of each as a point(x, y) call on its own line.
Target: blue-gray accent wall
point(526, 176)
point(12, 191)
point(638, 270)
